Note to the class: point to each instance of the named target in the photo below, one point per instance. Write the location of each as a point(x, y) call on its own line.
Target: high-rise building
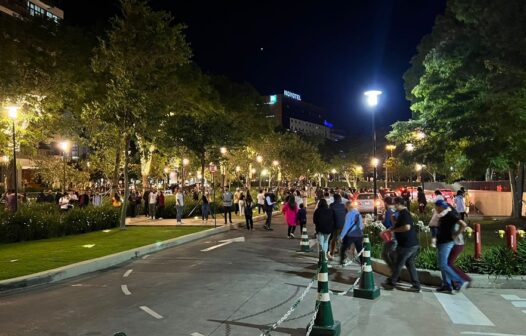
point(296, 115)
point(24, 8)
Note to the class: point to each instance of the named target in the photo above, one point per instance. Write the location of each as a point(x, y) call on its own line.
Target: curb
point(97, 264)
point(434, 278)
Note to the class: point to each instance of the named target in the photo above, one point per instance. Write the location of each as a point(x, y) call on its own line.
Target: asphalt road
point(242, 288)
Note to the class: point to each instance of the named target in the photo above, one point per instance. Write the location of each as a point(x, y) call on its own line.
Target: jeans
point(205, 209)
point(453, 255)
point(268, 222)
point(228, 212)
point(323, 240)
point(434, 231)
point(151, 210)
point(448, 273)
point(406, 256)
point(260, 207)
point(250, 222)
point(180, 210)
point(159, 212)
point(346, 243)
point(291, 229)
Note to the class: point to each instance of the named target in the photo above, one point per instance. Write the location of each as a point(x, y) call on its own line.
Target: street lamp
point(372, 101)
point(389, 148)
point(223, 150)
point(185, 163)
point(12, 112)
point(264, 172)
point(64, 145)
point(409, 147)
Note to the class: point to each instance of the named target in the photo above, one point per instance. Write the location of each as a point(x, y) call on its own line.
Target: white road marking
point(196, 334)
point(519, 304)
point(125, 290)
point(461, 310)
point(145, 256)
point(225, 242)
point(127, 273)
point(478, 333)
point(524, 311)
point(511, 297)
point(151, 312)
point(76, 285)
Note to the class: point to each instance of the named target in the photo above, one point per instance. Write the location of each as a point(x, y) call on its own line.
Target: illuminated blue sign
point(328, 124)
point(273, 99)
point(292, 95)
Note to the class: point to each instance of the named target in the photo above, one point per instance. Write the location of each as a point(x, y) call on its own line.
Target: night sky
point(328, 52)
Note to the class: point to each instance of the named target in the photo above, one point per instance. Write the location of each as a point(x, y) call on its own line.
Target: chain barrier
point(311, 323)
point(353, 286)
point(294, 306)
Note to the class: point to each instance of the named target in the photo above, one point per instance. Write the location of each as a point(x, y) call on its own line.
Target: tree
point(138, 58)
point(467, 87)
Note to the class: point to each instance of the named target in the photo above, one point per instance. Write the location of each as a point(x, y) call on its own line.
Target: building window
point(35, 10)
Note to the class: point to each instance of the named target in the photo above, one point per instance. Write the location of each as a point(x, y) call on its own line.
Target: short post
point(367, 290)
point(304, 242)
point(478, 242)
point(511, 237)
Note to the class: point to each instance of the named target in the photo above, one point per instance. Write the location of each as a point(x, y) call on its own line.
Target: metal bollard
point(511, 237)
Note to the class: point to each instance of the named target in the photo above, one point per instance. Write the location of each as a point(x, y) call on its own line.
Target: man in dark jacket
point(324, 220)
point(339, 214)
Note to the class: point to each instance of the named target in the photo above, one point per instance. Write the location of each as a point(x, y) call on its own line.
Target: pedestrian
point(64, 204)
point(249, 205)
point(269, 207)
point(406, 195)
point(453, 255)
point(97, 199)
point(261, 201)
point(146, 199)
point(152, 203)
point(205, 207)
point(422, 201)
point(11, 201)
point(41, 197)
point(298, 198)
point(351, 233)
point(160, 205)
point(433, 222)
point(460, 205)
point(406, 249)
point(179, 205)
point(237, 195)
point(132, 203)
point(290, 210)
point(340, 212)
point(302, 216)
point(448, 231)
point(324, 220)
point(389, 246)
point(227, 199)
point(241, 204)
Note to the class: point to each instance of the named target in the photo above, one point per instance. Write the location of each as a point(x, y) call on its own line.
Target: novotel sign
point(291, 95)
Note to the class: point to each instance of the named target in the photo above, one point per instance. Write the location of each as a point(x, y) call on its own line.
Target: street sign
point(212, 168)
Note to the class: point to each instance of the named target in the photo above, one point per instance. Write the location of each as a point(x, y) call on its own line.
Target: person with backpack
point(290, 210)
point(227, 199)
point(324, 220)
point(249, 205)
point(340, 212)
point(407, 247)
point(351, 233)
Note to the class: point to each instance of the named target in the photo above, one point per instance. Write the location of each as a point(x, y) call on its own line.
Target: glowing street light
point(12, 112)
point(238, 169)
point(65, 146)
point(223, 150)
point(372, 101)
point(389, 148)
point(420, 169)
point(375, 162)
point(259, 158)
point(264, 172)
point(333, 171)
point(409, 147)
point(185, 163)
point(275, 163)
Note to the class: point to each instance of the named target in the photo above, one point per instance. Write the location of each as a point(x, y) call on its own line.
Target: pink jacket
point(290, 214)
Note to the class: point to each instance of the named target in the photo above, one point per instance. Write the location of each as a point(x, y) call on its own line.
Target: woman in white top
point(460, 204)
point(261, 200)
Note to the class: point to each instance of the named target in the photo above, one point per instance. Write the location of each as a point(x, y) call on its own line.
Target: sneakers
point(445, 290)
point(462, 287)
point(388, 285)
point(292, 235)
point(414, 289)
point(289, 236)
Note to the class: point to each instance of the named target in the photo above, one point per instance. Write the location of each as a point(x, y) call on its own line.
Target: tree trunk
point(517, 189)
point(115, 178)
point(487, 175)
point(126, 187)
point(347, 179)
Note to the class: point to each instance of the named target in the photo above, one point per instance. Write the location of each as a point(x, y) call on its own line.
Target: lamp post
point(420, 169)
point(64, 145)
point(372, 101)
point(389, 148)
point(185, 163)
point(238, 169)
point(12, 112)
point(259, 159)
point(5, 161)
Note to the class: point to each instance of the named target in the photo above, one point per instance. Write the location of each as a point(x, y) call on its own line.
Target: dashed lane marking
point(196, 334)
point(462, 311)
point(145, 256)
point(478, 333)
point(151, 312)
point(512, 297)
point(127, 273)
point(519, 304)
point(125, 290)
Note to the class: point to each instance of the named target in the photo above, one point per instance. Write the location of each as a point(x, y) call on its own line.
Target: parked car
point(365, 203)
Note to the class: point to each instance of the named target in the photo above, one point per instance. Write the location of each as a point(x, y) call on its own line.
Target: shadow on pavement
point(260, 327)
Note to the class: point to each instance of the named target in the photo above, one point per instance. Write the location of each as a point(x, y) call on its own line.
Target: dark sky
point(328, 52)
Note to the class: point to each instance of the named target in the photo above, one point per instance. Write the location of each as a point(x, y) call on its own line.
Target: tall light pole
point(185, 163)
point(275, 164)
point(12, 112)
point(372, 101)
point(64, 145)
point(389, 148)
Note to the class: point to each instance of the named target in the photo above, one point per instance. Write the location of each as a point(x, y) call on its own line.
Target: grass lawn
point(24, 258)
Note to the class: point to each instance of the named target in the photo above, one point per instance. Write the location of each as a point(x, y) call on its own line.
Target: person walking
point(11, 201)
point(460, 205)
point(269, 207)
point(249, 205)
point(152, 203)
point(406, 195)
point(433, 222)
point(227, 198)
point(351, 233)
point(448, 231)
point(179, 205)
point(160, 205)
point(407, 247)
point(453, 255)
point(290, 210)
point(261, 201)
point(340, 212)
point(324, 220)
point(237, 195)
point(146, 199)
point(205, 207)
point(422, 201)
point(241, 204)
point(302, 216)
point(132, 200)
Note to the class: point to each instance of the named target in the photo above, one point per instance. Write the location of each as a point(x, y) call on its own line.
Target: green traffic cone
point(304, 242)
point(324, 324)
point(368, 289)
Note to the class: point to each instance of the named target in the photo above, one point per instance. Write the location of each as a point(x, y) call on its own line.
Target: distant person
point(460, 205)
point(407, 247)
point(406, 195)
point(339, 212)
point(179, 205)
point(11, 201)
point(63, 203)
point(227, 199)
point(249, 206)
point(290, 210)
point(132, 199)
point(97, 199)
point(152, 203)
point(241, 204)
point(422, 201)
point(205, 207)
point(302, 216)
point(146, 199)
point(324, 221)
point(261, 201)
point(116, 201)
point(351, 233)
point(160, 205)
point(269, 208)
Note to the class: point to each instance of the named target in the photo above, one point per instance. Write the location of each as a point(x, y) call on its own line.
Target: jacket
point(339, 212)
point(324, 220)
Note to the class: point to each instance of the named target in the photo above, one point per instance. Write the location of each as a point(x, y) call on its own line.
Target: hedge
point(43, 220)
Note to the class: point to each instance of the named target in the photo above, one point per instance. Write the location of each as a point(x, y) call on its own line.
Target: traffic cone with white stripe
point(324, 324)
point(368, 289)
point(304, 241)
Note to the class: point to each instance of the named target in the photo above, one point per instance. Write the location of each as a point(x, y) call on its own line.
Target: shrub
point(44, 220)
